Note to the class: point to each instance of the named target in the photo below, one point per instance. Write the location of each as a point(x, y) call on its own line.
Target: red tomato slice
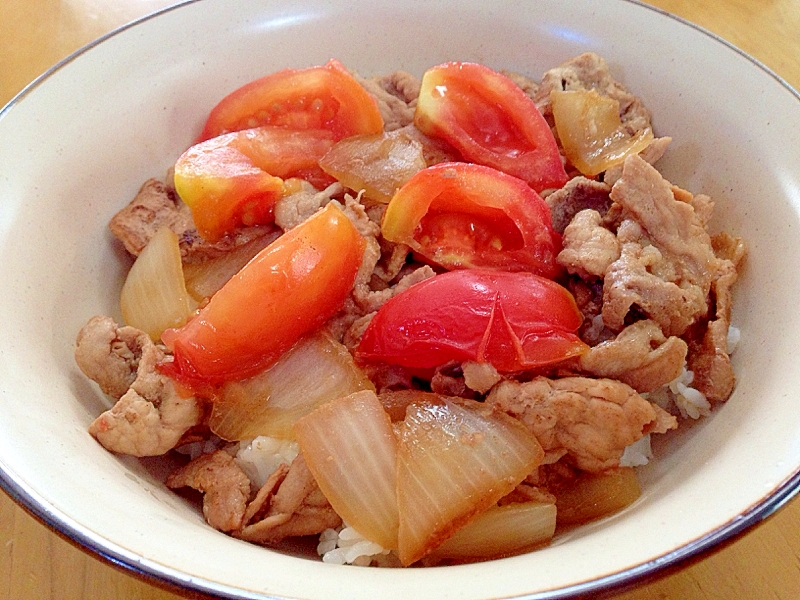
point(464, 215)
point(236, 178)
point(491, 121)
point(514, 321)
point(291, 287)
point(324, 97)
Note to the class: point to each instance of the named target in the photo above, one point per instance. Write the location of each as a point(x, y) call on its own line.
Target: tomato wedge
point(323, 97)
point(514, 321)
point(236, 178)
point(460, 215)
point(291, 287)
point(491, 121)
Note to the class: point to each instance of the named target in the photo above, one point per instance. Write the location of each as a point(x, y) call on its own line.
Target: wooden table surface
point(37, 564)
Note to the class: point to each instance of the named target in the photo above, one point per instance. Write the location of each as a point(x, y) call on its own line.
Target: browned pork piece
point(589, 247)
point(578, 194)
point(149, 417)
point(289, 504)
point(640, 356)
point(156, 205)
point(666, 263)
point(589, 71)
point(590, 421)
point(708, 356)
point(225, 488)
point(396, 94)
point(293, 209)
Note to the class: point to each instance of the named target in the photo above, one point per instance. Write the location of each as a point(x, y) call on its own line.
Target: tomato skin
point(322, 97)
point(490, 121)
point(291, 287)
point(514, 321)
point(237, 177)
point(459, 215)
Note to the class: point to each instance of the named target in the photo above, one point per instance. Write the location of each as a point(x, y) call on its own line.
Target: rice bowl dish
point(694, 449)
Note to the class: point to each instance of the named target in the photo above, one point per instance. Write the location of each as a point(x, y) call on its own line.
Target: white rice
point(345, 546)
point(261, 457)
point(734, 335)
point(637, 454)
point(691, 402)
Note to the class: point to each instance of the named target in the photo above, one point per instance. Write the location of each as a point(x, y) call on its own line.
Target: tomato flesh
point(491, 121)
point(236, 178)
point(291, 287)
point(459, 215)
point(514, 321)
point(322, 97)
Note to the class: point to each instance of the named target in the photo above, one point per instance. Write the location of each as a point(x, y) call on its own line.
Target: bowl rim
point(166, 577)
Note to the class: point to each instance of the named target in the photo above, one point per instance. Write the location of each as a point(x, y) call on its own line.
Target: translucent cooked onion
point(154, 296)
point(395, 402)
point(590, 130)
point(500, 531)
point(594, 495)
point(316, 370)
point(454, 461)
point(378, 164)
point(350, 448)
point(205, 278)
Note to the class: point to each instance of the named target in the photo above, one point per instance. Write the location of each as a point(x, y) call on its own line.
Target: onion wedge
point(316, 370)
point(203, 279)
point(500, 531)
point(455, 460)
point(350, 448)
point(593, 495)
point(154, 296)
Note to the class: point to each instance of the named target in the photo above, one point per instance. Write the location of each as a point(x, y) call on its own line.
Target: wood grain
point(37, 564)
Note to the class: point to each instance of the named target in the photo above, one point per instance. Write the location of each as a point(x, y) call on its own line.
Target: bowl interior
point(76, 147)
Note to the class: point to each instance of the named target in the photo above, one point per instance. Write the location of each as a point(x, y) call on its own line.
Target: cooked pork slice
point(709, 353)
point(293, 209)
point(225, 488)
point(578, 194)
point(109, 354)
point(289, 504)
point(589, 248)
point(480, 377)
point(589, 298)
point(156, 206)
point(589, 71)
point(640, 356)
point(372, 300)
point(396, 95)
point(525, 83)
point(149, 416)
point(667, 262)
point(592, 419)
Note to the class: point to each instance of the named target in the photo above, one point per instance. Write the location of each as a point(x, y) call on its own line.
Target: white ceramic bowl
point(76, 145)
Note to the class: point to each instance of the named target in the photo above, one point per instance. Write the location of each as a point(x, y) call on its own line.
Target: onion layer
point(316, 370)
point(500, 531)
point(154, 296)
point(350, 448)
point(205, 278)
point(454, 461)
point(594, 495)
